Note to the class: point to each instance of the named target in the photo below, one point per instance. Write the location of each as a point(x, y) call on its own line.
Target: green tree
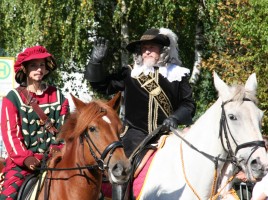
point(67, 27)
point(235, 35)
point(236, 44)
point(63, 27)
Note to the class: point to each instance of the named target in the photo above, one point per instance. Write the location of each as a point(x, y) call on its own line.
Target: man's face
point(150, 53)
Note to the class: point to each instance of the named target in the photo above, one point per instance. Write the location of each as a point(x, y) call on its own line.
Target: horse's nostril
point(255, 164)
point(118, 169)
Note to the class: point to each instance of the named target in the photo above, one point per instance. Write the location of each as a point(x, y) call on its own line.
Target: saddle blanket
point(139, 180)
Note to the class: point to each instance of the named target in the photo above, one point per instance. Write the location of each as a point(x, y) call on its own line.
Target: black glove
point(169, 122)
point(31, 162)
point(99, 51)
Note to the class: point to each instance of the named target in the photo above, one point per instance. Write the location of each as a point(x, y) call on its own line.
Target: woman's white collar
point(172, 72)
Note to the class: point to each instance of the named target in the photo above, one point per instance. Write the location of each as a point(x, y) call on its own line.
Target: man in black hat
point(156, 87)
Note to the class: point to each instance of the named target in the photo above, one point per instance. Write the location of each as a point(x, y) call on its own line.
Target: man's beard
point(149, 62)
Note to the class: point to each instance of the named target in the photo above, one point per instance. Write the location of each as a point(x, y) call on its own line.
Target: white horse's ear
point(251, 83)
point(221, 86)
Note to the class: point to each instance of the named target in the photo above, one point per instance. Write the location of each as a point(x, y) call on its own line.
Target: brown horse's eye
point(121, 130)
point(92, 129)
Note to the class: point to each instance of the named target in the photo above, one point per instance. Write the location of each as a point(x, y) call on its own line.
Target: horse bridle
point(101, 165)
point(223, 129)
point(231, 156)
point(109, 149)
point(223, 132)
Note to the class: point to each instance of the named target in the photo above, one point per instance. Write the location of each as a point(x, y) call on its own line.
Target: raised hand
point(100, 49)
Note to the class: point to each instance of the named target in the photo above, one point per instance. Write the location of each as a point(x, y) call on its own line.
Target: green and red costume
point(24, 136)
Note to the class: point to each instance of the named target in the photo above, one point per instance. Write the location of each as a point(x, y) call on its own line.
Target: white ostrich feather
point(174, 48)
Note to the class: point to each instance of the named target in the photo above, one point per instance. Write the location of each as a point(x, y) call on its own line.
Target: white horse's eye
point(232, 117)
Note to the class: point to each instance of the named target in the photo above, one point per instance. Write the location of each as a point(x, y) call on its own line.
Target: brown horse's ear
point(79, 105)
point(115, 101)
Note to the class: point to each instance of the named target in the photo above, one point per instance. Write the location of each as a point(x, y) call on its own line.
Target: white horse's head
point(241, 126)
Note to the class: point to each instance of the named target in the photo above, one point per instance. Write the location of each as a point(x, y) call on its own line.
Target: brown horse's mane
point(78, 120)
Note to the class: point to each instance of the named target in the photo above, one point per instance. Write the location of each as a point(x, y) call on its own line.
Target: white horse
point(187, 167)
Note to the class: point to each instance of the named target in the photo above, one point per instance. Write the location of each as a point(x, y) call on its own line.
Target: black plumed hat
point(152, 35)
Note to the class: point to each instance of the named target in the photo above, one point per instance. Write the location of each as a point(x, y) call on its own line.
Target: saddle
point(27, 187)
point(141, 155)
point(34, 182)
point(146, 148)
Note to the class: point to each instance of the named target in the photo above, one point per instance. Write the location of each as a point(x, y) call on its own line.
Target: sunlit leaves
point(237, 42)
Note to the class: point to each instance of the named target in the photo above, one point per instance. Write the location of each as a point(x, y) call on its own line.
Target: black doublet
point(136, 99)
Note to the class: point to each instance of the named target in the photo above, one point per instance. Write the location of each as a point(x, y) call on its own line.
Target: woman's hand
point(31, 162)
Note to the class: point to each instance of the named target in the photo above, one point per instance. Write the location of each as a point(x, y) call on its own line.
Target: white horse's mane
point(240, 93)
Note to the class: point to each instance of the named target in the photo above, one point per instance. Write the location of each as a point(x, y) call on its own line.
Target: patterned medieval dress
point(23, 134)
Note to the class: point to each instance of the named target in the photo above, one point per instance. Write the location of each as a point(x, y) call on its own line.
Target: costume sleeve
point(186, 109)
point(11, 133)
point(112, 83)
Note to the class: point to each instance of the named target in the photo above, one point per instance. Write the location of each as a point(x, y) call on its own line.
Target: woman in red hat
point(26, 135)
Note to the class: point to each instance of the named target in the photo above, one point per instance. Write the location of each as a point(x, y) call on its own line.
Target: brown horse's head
point(92, 134)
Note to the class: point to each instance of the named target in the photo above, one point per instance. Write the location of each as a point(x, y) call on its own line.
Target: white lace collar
point(172, 72)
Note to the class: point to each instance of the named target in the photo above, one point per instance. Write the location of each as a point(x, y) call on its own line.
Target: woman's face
point(150, 53)
point(36, 69)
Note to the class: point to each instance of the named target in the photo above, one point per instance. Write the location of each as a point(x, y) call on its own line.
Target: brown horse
point(92, 147)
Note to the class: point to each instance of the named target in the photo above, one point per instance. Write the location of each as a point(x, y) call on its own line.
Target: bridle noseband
point(101, 165)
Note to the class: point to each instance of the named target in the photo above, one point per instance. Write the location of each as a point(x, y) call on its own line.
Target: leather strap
point(44, 120)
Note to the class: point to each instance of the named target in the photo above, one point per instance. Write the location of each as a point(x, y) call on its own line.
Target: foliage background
point(237, 44)
point(234, 40)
